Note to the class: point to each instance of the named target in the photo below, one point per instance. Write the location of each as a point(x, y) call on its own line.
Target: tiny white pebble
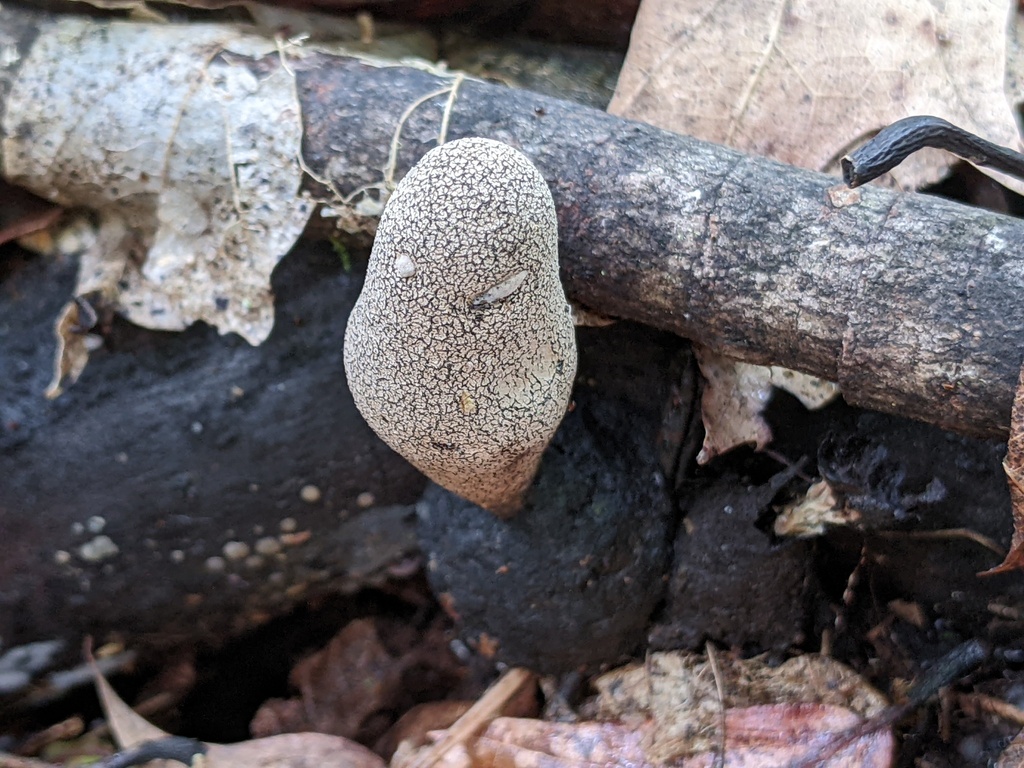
point(365, 500)
point(121, 458)
point(95, 524)
point(196, 427)
point(310, 494)
point(288, 524)
point(77, 528)
point(235, 550)
point(60, 557)
point(177, 556)
point(215, 564)
point(268, 545)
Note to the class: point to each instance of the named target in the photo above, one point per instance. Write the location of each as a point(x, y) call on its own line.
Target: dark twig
point(895, 143)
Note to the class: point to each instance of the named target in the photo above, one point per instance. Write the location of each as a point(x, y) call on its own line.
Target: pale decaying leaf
point(765, 736)
point(736, 394)
point(670, 711)
point(188, 151)
point(805, 82)
point(450, 748)
point(817, 510)
point(1013, 465)
point(73, 346)
point(1013, 755)
point(288, 750)
point(679, 692)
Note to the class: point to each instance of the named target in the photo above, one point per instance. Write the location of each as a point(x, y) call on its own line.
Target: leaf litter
point(196, 186)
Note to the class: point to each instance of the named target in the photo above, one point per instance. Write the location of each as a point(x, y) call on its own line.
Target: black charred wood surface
point(175, 445)
point(574, 577)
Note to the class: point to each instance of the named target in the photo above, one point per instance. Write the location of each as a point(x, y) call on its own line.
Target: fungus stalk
point(460, 352)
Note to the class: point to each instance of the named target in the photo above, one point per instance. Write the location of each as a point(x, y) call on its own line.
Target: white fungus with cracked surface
point(461, 351)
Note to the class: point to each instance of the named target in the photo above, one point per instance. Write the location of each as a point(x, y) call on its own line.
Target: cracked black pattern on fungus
point(461, 351)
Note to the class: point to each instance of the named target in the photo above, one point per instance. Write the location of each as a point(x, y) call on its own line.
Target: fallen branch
point(907, 301)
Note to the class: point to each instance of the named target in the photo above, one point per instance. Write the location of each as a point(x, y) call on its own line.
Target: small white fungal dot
point(310, 494)
point(268, 545)
point(100, 548)
point(235, 550)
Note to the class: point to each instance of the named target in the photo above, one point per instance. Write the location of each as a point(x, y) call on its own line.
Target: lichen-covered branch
point(913, 304)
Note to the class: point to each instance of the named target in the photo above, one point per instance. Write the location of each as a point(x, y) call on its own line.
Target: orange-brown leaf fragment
point(1013, 465)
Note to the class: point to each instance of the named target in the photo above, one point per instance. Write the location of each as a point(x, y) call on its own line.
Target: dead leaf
point(413, 726)
point(290, 750)
point(351, 686)
point(1013, 465)
point(736, 394)
point(1013, 755)
point(814, 512)
point(293, 750)
point(129, 728)
point(804, 82)
point(22, 213)
point(73, 346)
point(755, 737)
point(186, 149)
point(678, 692)
point(451, 746)
point(344, 683)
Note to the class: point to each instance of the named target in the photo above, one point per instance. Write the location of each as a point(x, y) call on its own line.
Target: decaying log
point(163, 495)
point(913, 304)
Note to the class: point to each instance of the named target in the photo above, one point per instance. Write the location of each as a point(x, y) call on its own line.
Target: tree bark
point(913, 304)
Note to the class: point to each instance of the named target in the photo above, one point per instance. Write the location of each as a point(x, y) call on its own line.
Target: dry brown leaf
point(736, 394)
point(22, 213)
point(190, 158)
point(450, 749)
point(290, 750)
point(1013, 465)
point(414, 725)
point(804, 82)
point(351, 686)
point(344, 683)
